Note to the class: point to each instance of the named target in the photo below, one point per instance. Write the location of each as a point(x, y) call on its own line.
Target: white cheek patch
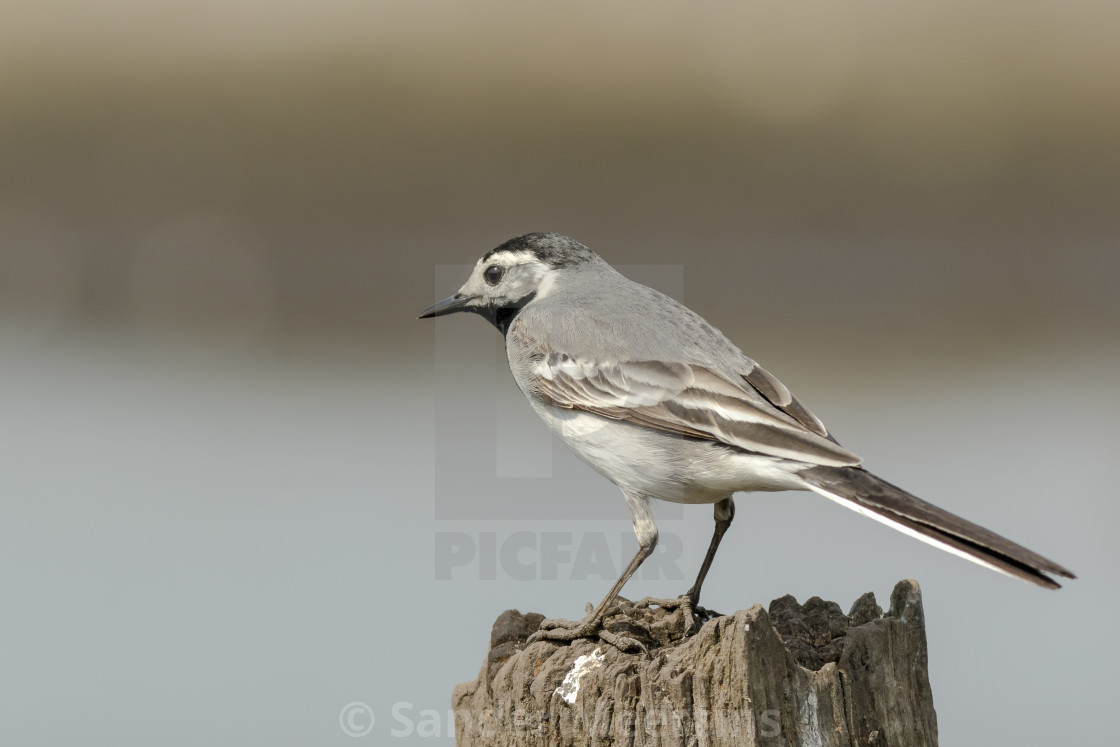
point(531, 277)
point(546, 282)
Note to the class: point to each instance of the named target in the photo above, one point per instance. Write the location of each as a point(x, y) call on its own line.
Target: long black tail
point(862, 491)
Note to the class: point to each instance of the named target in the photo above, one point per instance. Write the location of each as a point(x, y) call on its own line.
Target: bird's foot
point(670, 604)
point(701, 615)
point(697, 614)
point(566, 631)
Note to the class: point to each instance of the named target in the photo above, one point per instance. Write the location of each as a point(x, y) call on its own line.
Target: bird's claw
point(623, 643)
point(667, 604)
point(703, 614)
point(566, 631)
point(697, 614)
point(557, 624)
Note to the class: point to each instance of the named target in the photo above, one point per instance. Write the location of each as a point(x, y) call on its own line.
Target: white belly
point(663, 466)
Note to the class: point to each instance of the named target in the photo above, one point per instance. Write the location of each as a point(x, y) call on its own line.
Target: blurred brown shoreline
point(905, 174)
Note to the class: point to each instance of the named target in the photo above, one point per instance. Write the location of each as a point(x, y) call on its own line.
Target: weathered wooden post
point(794, 675)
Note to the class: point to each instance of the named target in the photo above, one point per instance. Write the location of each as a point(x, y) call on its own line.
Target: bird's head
point(509, 277)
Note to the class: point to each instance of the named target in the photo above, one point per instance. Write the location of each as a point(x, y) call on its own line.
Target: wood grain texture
point(794, 675)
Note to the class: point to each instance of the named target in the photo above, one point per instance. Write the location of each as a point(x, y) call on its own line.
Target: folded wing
point(755, 413)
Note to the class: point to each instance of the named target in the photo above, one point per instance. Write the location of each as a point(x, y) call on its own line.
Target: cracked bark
point(794, 675)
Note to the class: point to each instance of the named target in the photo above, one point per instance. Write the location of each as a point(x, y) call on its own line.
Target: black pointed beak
point(458, 302)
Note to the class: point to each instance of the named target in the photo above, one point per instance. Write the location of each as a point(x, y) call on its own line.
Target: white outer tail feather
point(850, 504)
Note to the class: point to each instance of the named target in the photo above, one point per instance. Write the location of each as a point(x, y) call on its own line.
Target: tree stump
point(794, 675)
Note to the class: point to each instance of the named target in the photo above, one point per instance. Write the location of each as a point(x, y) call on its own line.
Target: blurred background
point(223, 429)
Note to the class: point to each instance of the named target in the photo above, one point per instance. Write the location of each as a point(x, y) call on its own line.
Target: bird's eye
point(494, 274)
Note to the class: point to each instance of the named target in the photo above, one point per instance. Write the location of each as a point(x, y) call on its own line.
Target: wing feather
point(693, 401)
point(781, 397)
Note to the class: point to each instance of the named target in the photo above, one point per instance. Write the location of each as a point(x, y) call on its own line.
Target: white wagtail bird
point(663, 405)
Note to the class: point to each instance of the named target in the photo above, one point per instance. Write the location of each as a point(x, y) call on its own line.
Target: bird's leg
point(724, 513)
point(592, 625)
